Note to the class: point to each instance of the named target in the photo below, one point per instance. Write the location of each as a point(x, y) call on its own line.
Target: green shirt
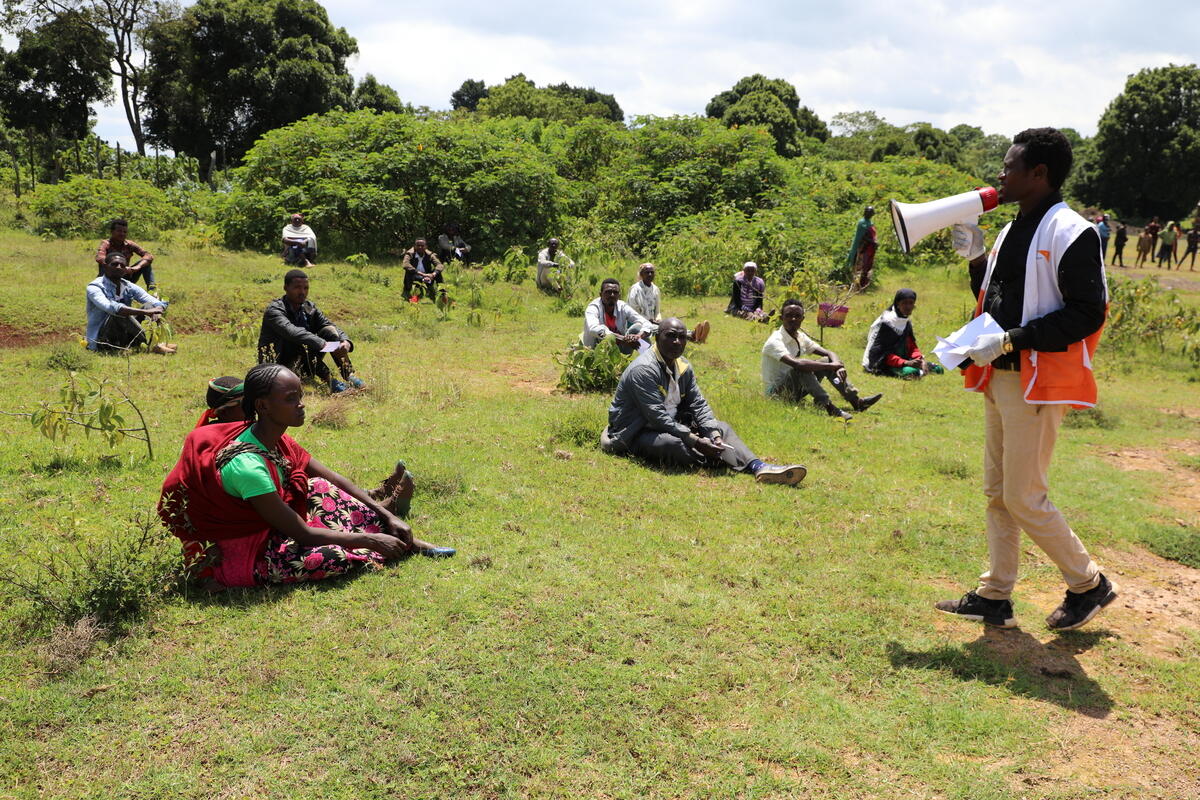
point(247, 474)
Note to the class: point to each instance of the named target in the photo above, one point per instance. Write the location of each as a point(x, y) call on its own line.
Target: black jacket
point(285, 329)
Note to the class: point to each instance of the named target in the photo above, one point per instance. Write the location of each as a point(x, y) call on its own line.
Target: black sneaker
point(834, 411)
point(1077, 610)
point(998, 613)
point(866, 402)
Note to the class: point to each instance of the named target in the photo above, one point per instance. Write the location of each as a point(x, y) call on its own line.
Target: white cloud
point(1003, 65)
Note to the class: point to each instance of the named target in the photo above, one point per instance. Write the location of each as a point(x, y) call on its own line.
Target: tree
point(468, 95)
point(54, 76)
point(520, 97)
point(120, 21)
point(370, 93)
point(934, 143)
point(806, 122)
point(1146, 152)
point(765, 109)
point(224, 72)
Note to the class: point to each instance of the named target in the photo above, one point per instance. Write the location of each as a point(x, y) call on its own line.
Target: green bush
point(373, 182)
point(82, 206)
point(596, 370)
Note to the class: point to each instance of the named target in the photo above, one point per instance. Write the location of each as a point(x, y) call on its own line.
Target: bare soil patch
point(1180, 486)
point(11, 337)
point(526, 375)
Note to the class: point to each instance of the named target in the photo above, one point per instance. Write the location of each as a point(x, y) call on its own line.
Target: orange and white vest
point(1047, 378)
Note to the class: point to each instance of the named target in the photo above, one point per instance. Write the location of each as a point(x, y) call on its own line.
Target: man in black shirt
point(296, 334)
point(1044, 285)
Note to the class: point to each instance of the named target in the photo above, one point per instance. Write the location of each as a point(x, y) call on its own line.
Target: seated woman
point(891, 346)
point(276, 514)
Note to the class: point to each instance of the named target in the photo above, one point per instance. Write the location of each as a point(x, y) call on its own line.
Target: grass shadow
point(1020, 663)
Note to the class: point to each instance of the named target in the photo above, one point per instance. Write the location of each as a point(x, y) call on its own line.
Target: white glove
point(987, 348)
point(968, 240)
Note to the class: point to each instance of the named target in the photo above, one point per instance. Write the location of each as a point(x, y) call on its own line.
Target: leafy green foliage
point(1147, 145)
point(468, 95)
point(89, 404)
point(371, 94)
point(773, 104)
point(224, 72)
point(594, 370)
point(1142, 312)
point(519, 97)
point(368, 181)
point(82, 206)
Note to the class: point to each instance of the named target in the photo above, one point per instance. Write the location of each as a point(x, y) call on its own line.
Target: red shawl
point(195, 506)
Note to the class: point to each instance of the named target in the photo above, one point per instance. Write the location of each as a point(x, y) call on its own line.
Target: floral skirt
point(287, 561)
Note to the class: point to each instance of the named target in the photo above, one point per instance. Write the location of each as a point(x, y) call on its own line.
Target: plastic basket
point(831, 316)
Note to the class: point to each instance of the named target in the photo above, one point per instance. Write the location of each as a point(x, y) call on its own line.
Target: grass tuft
point(1177, 542)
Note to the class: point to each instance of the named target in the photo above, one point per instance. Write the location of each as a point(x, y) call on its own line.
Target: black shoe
point(866, 402)
point(1077, 610)
point(998, 613)
point(834, 411)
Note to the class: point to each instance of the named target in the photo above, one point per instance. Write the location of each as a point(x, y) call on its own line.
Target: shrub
point(82, 206)
point(370, 182)
point(72, 358)
point(596, 370)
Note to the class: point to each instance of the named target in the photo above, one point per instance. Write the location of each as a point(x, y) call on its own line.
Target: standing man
point(1044, 283)
point(659, 414)
point(297, 335)
point(299, 242)
point(861, 258)
point(1104, 231)
point(551, 262)
point(112, 319)
point(1119, 243)
point(608, 316)
point(421, 266)
point(117, 243)
point(1193, 243)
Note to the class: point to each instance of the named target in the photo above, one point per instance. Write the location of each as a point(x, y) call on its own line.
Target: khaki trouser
point(1019, 444)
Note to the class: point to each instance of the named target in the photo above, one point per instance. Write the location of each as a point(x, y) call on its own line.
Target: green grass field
point(607, 629)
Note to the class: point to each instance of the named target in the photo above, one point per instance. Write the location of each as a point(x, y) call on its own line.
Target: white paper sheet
point(330, 347)
point(952, 350)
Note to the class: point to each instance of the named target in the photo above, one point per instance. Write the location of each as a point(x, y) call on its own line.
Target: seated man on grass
point(645, 299)
point(299, 243)
point(112, 319)
point(788, 371)
point(452, 246)
point(746, 298)
point(117, 243)
point(295, 334)
point(551, 262)
point(659, 414)
point(421, 267)
point(608, 315)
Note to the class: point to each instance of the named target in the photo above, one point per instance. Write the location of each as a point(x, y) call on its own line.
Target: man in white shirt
point(787, 371)
point(646, 299)
point(551, 262)
point(608, 316)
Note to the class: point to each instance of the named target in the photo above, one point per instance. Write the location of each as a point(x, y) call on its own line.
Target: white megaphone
point(915, 221)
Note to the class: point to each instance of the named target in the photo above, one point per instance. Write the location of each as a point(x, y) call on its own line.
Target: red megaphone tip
point(989, 197)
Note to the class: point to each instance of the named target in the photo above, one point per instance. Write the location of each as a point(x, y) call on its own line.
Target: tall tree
point(370, 93)
point(468, 95)
point(589, 95)
point(57, 72)
point(803, 118)
point(1145, 156)
point(520, 97)
point(224, 72)
point(121, 22)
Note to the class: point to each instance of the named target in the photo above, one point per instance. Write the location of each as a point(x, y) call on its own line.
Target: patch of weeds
point(70, 358)
point(1091, 418)
point(595, 370)
point(440, 483)
point(581, 427)
point(949, 466)
point(333, 416)
point(1177, 542)
point(109, 583)
point(480, 562)
point(68, 646)
point(1188, 461)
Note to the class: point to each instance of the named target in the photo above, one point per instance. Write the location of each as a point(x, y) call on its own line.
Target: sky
point(1002, 66)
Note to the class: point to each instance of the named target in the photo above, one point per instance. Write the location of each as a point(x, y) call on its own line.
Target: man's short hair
point(607, 281)
point(1046, 146)
point(114, 223)
point(293, 274)
point(419, 240)
point(116, 255)
point(791, 301)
